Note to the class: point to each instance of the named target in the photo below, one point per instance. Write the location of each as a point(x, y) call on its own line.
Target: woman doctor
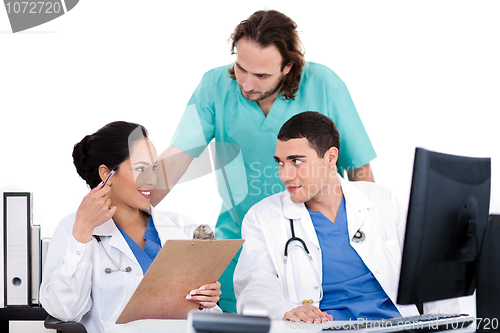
point(99, 255)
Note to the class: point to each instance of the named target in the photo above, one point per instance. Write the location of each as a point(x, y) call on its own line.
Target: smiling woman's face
point(132, 184)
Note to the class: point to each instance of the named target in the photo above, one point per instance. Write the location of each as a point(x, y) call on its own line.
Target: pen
point(109, 176)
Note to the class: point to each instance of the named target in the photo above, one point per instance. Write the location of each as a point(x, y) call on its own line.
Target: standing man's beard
point(267, 93)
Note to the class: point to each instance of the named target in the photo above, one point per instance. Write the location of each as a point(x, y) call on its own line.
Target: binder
point(45, 250)
point(36, 277)
point(17, 248)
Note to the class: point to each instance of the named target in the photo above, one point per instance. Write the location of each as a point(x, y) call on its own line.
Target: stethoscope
point(316, 273)
point(358, 237)
point(118, 267)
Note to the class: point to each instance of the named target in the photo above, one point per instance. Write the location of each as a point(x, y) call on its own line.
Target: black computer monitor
point(447, 216)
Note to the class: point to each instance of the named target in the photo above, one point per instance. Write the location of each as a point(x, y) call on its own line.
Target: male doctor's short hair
point(108, 146)
point(317, 128)
point(270, 27)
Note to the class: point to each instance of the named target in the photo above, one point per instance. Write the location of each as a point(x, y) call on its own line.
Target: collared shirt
point(151, 248)
point(350, 291)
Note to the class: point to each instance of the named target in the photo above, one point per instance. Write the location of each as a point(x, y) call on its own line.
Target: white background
point(421, 73)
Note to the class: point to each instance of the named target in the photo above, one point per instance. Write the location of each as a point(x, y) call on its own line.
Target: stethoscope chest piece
point(358, 237)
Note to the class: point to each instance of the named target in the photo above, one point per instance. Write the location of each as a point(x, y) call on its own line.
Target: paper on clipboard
point(179, 267)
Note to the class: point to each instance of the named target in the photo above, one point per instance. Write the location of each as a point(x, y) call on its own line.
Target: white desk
point(162, 326)
point(277, 326)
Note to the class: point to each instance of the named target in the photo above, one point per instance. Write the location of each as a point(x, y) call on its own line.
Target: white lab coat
point(371, 208)
point(75, 286)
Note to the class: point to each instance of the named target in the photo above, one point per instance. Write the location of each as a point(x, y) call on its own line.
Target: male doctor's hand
point(307, 313)
point(94, 210)
point(207, 296)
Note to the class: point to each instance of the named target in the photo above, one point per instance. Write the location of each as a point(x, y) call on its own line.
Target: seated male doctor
point(353, 231)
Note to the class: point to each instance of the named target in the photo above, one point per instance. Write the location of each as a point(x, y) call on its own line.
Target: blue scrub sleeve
point(197, 126)
point(356, 148)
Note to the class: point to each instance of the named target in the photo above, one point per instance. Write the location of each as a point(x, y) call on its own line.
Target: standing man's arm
point(194, 132)
point(356, 149)
point(172, 164)
point(363, 173)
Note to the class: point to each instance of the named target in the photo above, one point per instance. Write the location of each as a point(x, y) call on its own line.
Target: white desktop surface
point(277, 326)
point(171, 325)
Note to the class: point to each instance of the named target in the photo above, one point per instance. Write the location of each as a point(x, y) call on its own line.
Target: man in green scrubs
point(243, 106)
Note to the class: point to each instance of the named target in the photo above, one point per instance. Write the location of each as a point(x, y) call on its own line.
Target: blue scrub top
point(151, 248)
point(350, 291)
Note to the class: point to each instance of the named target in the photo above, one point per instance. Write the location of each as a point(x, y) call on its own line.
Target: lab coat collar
point(109, 228)
point(117, 240)
point(356, 198)
point(298, 212)
point(166, 227)
point(357, 205)
point(106, 229)
point(293, 210)
point(360, 202)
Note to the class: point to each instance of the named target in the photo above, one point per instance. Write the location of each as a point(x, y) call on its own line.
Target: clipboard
point(179, 267)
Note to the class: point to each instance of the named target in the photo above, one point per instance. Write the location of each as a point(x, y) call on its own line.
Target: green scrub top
point(245, 139)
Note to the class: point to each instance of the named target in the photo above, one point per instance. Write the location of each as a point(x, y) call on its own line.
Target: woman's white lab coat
point(371, 208)
point(75, 286)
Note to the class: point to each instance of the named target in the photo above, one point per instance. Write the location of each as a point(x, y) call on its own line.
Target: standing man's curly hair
point(270, 27)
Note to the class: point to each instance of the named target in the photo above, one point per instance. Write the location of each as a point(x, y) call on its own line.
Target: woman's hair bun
point(80, 156)
point(108, 146)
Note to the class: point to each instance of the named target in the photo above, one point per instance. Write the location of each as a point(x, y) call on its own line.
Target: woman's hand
point(307, 313)
point(94, 210)
point(207, 296)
